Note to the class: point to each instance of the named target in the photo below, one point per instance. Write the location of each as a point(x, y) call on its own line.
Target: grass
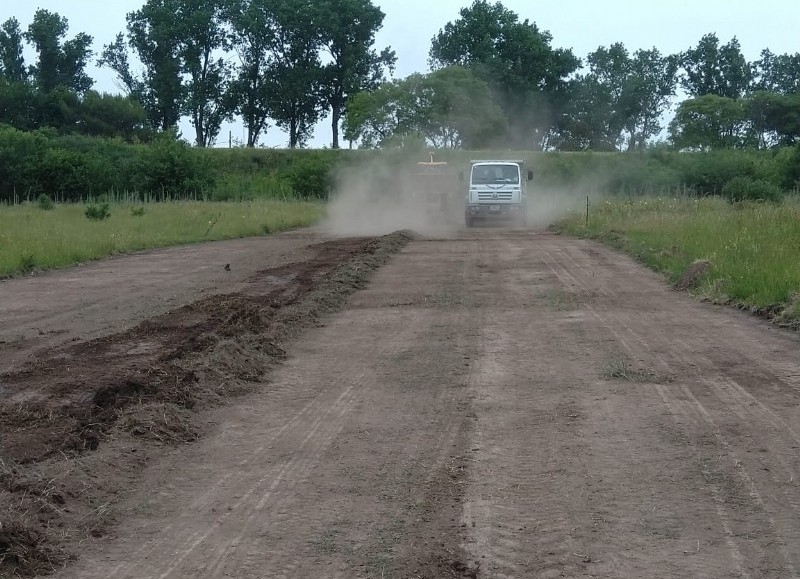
point(34, 239)
point(753, 249)
point(621, 369)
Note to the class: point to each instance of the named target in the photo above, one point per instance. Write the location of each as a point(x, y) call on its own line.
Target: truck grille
point(501, 196)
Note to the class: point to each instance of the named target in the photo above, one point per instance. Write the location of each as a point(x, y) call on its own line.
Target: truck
point(496, 192)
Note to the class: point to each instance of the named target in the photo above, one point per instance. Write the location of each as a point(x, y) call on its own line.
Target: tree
point(17, 104)
point(777, 73)
point(527, 76)
point(16, 93)
point(710, 122)
point(585, 121)
point(294, 71)
point(448, 108)
point(648, 91)
point(713, 69)
point(461, 112)
point(201, 33)
point(179, 44)
point(379, 115)
point(254, 32)
point(348, 29)
point(774, 117)
point(106, 115)
point(620, 100)
point(59, 64)
point(159, 88)
point(12, 63)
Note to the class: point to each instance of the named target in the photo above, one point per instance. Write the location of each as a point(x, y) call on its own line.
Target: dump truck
point(496, 192)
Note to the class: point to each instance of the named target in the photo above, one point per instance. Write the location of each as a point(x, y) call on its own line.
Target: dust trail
point(394, 192)
point(547, 205)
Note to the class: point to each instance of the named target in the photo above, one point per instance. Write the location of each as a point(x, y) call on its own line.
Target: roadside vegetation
point(748, 251)
point(33, 237)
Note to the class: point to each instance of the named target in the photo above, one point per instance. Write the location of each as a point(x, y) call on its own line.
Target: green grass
point(34, 239)
point(753, 249)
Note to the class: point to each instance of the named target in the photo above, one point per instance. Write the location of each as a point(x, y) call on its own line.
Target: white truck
point(496, 192)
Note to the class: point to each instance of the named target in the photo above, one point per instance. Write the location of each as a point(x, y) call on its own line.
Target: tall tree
point(60, 63)
point(159, 88)
point(253, 29)
point(713, 69)
point(620, 100)
point(12, 62)
point(348, 29)
point(179, 43)
point(294, 71)
point(648, 91)
point(202, 35)
point(527, 75)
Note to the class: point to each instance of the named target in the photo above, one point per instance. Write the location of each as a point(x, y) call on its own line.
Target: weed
point(137, 211)
point(620, 369)
point(27, 263)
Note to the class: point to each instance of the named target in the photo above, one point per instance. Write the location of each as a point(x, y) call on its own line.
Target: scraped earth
point(500, 404)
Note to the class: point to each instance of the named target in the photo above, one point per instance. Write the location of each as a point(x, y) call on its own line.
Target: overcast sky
point(582, 25)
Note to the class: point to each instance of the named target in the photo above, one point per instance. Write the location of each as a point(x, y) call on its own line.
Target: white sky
point(582, 25)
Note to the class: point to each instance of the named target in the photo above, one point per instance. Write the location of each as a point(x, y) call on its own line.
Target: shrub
point(137, 211)
point(98, 211)
point(748, 189)
point(44, 202)
point(310, 176)
point(171, 169)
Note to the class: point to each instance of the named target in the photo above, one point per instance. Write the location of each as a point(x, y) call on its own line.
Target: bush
point(171, 169)
point(748, 189)
point(137, 211)
point(310, 176)
point(44, 202)
point(98, 211)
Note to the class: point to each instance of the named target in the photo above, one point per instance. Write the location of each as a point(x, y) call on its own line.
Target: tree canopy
point(495, 79)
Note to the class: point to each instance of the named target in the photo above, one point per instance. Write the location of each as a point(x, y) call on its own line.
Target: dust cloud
point(395, 192)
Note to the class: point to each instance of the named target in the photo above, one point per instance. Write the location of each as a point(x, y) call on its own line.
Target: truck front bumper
point(495, 211)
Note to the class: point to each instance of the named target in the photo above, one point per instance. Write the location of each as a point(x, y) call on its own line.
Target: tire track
point(734, 399)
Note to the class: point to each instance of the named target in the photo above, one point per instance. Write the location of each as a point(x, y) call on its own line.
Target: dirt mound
point(142, 388)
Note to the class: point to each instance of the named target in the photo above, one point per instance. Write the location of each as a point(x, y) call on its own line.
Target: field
point(32, 238)
point(750, 250)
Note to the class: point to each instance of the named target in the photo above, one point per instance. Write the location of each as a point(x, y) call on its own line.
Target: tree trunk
point(293, 134)
point(336, 115)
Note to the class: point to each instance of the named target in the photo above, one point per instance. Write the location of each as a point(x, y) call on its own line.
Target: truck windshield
point(482, 174)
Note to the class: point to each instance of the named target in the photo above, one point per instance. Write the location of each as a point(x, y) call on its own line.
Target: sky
point(582, 25)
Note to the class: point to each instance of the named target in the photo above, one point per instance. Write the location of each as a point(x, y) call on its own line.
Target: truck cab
point(496, 192)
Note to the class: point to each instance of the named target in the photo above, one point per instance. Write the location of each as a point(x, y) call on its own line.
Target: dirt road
point(504, 404)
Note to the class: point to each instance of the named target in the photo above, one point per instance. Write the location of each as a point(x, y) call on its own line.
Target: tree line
point(495, 81)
